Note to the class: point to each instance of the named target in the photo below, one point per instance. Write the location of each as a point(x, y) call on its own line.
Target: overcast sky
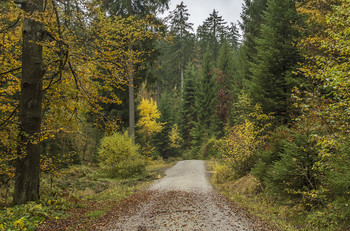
point(200, 9)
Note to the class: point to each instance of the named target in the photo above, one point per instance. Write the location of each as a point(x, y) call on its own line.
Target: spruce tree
point(252, 18)
point(211, 33)
point(167, 117)
point(181, 29)
point(276, 58)
point(205, 103)
point(188, 115)
point(223, 79)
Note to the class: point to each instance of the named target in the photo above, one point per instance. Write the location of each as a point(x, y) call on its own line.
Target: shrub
point(288, 169)
point(210, 149)
point(239, 146)
point(119, 157)
point(222, 173)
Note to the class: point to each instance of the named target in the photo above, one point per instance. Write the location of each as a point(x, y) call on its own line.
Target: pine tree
point(252, 18)
point(188, 115)
point(181, 29)
point(139, 8)
point(205, 103)
point(223, 79)
point(211, 33)
point(276, 58)
point(167, 107)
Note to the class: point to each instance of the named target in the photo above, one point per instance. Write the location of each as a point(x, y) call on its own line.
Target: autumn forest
point(99, 97)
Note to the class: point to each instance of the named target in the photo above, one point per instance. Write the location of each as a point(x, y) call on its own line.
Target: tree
point(148, 123)
point(27, 177)
point(169, 109)
point(252, 18)
point(180, 28)
point(188, 114)
point(205, 102)
point(211, 33)
point(276, 58)
point(224, 85)
point(139, 8)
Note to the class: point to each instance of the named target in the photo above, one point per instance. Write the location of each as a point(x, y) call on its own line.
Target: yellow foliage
point(175, 138)
point(19, 223)
point(149, 116)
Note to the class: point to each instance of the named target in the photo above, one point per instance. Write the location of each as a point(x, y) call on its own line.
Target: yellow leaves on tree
point(325, 108)
point(175, 138)
point(149, 115)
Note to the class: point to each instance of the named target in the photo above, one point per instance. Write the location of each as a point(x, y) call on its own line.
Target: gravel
point(182, 200)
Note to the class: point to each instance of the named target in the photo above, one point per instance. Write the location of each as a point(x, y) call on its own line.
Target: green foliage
point(242, 140)
point(210, 149)
point(276, 58)
point(188, 114)
point(119, 157)
point(29, 216)
point(165, 141)
point(293, 173)
point(205, 101)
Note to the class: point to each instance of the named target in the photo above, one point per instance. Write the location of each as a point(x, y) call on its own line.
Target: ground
point(182, 200)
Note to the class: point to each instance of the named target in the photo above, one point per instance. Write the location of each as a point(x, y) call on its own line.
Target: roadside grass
point(248, 194)
point(75, 198)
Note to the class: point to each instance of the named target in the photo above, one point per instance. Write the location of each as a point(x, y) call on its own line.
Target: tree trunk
point(27, 178)
point(131, 98)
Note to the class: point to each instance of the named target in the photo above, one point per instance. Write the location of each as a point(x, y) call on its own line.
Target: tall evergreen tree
point(188, 115)
point(205, 102)
point(167, 108)
point(181, 29)
point(252, 18)
point(232, 36)
point(140, 8)
point(223, 79)
point(211, 33)
point(276, 58)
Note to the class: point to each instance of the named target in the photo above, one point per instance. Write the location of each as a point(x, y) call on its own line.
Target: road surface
point(182, 200)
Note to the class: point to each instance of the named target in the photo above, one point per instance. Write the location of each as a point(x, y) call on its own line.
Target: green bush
point(288, 169)
point(119, 157)
point(210, 149)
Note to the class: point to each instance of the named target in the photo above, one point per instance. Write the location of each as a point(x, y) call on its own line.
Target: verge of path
point(182, 200)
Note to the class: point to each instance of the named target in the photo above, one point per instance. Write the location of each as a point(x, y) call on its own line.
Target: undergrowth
point(78, 193)
point(248, 193)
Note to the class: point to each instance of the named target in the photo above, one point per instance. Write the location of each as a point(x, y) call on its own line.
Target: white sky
point(200, 9)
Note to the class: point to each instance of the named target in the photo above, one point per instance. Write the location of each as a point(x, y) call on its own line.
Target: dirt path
point(182, 200)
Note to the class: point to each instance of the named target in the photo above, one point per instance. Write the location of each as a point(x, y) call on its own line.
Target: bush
point(119, 157)
point(222, 173)
point(288, 169)
point(210, 149)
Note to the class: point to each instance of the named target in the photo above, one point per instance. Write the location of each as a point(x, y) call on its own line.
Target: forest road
point(182, 200)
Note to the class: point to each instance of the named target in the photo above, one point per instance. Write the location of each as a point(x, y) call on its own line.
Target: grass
point(248, 194)
point(75, 199)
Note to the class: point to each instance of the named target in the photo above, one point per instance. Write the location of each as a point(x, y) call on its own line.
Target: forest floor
point(182, 200)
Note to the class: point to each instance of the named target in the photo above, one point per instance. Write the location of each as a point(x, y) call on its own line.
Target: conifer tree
point(211, 33)
point(252, 18)
point(205, 103)
point(223, 79)
point(168, 119)
point(181, 29)
point(188, 115)
point(276, 58)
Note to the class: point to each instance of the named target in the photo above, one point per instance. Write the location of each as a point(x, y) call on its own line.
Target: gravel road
point(182, 200)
